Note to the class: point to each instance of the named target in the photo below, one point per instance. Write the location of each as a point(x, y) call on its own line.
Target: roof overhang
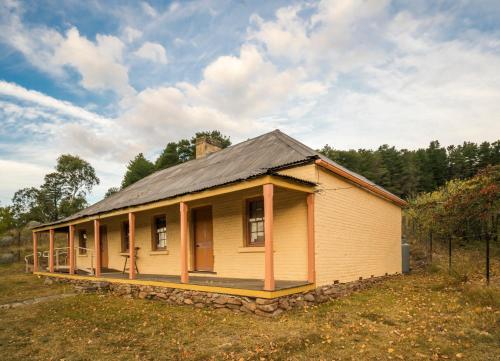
point(370, 187)
point(281, 181)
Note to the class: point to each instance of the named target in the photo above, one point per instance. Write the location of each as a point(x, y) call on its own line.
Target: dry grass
point(15, 285)
point(418, 317)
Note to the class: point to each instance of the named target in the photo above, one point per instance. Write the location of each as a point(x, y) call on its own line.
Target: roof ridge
point(296, 145)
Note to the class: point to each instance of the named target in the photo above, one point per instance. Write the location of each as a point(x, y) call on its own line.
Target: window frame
point(81, 232)
point(125, 231)
point(154, 233)
point(246, 222)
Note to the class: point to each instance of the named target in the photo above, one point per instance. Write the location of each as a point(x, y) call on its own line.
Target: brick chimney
point(206, 146)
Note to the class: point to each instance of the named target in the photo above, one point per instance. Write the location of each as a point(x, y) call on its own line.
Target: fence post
point(430, 247)
point(488, 258)
point(449, 254)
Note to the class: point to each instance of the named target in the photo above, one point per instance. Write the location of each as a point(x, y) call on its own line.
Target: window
point(82, 242)
point(125, 237)
point(255, 222)
point(159, 233)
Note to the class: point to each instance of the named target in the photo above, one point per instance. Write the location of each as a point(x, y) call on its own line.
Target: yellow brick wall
point(357, 233)
point(230, 260)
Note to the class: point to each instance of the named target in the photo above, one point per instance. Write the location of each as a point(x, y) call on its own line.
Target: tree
point(78, 175)
point(6, 219)
point(62, 193)
point(111, 191)
point(168, 157)
point(137, 169)
point(26, 207)
point(185, 150)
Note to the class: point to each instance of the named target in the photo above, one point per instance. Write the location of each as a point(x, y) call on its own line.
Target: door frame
point(103, 230)
point(193, 238)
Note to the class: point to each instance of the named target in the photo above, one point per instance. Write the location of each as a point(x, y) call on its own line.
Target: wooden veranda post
point(71, 252)
point(35, 252)
point(51, 250)
point(184, 242)
point(97, 247)
point(311, 264)
point(131, 245)
point(269, 284)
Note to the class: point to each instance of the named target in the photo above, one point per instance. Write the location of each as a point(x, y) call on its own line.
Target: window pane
point(161, 232)
point(125, 236)
point(255, 221)
point(82, 242)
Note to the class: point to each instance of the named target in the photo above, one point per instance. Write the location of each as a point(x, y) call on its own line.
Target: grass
point(15, 285)
point(417, 317)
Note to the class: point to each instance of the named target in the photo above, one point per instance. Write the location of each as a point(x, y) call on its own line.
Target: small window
point(82, 242)
point(159, 233)
point(255, 222)
point(125, 237)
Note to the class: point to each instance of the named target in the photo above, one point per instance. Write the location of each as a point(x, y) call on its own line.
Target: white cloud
point(26, 175)
point(131, 34)
point(148, 9)
point(33, 96)
point(250, 86)
point(152, 51)
point(100, 63)
point(392, 76)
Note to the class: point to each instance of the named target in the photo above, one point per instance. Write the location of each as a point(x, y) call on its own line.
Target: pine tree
point(137, 169)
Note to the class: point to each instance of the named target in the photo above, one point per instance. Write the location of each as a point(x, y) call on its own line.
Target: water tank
point(405, 253)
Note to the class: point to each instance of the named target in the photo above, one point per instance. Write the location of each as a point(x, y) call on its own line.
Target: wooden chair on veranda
point(127, 256)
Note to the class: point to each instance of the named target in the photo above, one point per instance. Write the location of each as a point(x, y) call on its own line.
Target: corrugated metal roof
point(254, 157)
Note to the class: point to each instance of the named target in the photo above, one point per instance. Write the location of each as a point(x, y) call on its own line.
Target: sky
point(106, 80)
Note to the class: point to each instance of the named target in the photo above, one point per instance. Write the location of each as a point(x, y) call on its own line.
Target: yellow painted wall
point(358, 234)
point(230, 258)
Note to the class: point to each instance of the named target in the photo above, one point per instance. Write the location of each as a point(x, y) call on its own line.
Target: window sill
point(124, 253)
point(251, 249)
point(83, 255)
point(155, 253)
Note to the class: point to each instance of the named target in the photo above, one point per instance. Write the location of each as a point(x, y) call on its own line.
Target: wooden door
point(203, 239)
point(104, 246)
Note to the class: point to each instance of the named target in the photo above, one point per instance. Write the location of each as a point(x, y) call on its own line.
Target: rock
point(188, 301)
point(142, 295)
point(269, 307)
point(264, 301)
point(48, 281)
point(330, 291)
point(161, 296)
point(251, 306)
point(199, 305)
point(309, 297)
point(278, 312)
point(244, 309)
point(263, 313)
point(234, 301)
point(221, 300)
point(284, 304)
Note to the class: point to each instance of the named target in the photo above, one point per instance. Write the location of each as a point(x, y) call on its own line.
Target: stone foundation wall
point(259, 306)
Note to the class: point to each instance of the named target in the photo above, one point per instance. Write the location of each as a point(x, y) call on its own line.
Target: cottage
point(265, 218)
